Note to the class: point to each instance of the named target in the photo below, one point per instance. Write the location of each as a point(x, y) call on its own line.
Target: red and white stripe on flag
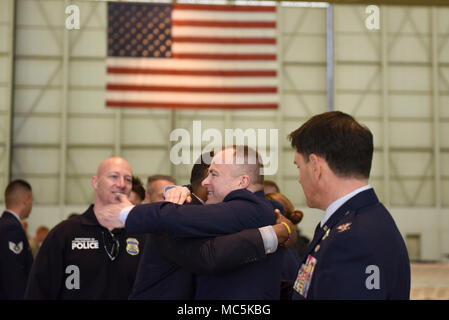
point(222, 57)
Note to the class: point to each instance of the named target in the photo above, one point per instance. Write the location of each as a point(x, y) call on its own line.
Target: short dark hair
point(138, 187)
point(157, 177)
point(199, 170)
point(14, 189)
point(346, 145)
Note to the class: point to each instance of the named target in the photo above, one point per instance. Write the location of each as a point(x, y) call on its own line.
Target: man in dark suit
point(158, 277)
point(234, 207)
point(357, 251)
point(15, 253)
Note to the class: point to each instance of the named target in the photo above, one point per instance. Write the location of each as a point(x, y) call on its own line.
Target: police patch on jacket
point(84, 243)
point(16, 248)
point(304, 278)
point(132, 246)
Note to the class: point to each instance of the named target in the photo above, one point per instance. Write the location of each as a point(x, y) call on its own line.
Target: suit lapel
point(319, 232)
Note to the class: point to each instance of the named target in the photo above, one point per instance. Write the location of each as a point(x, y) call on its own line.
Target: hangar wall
point(395, 80)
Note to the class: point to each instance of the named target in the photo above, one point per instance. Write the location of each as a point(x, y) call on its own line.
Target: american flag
point(192, 56)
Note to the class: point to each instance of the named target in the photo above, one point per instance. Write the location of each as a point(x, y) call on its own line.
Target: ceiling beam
point(385, 2)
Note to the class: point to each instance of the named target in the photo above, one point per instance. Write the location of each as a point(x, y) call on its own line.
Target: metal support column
point(385, 105)
point(436, 130)
point(330, 56)
point(280, 179)
point(10, 103)
point(172, 118)
point(63, 127)
point(118, 133)
point(436, 108)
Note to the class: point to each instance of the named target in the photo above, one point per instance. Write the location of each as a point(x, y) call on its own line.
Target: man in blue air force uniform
point(15, 253)
point(357, 251)
point(231, 207)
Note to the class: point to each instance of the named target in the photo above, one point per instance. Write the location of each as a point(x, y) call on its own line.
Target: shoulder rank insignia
point(16, 248)
point(326, 234)
point(344, 227)
point(132, 246)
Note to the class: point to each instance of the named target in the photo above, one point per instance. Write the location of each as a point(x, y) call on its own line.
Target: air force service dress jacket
point(359, 253)
point(240, 210)
point(15, 258)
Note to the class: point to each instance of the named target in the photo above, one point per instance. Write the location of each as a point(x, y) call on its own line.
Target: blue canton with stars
point(139, 30)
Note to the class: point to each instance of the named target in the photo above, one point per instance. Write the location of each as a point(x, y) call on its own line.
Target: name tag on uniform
point(304, 278)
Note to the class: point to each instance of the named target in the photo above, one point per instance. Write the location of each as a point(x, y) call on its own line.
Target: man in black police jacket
point(233, 207)
point(80, 258)
point(15, 253)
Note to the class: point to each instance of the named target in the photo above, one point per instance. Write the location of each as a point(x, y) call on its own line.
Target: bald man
point(80, 258)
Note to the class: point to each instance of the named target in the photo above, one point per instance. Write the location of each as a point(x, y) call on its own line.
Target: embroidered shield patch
point(132, 246)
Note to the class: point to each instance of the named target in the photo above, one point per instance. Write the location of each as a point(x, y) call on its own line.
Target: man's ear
point(315, 163)
point(93, 182)
point(245, 181)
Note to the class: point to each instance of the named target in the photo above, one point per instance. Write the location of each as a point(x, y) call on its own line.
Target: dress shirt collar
point(339, 202)
point(197, 198)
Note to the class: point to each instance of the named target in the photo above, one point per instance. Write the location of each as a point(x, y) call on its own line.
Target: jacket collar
point(360, 200)
point(363, 199)
point(260, 193)
point(12, 214)
point(88, 217)
point(238, 193)
point(333, 207)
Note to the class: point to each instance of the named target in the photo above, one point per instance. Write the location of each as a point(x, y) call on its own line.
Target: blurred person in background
point(291, 258)
point(295, 216)
point(137, 194)
point(36, 242)
point(15, 253)
point(155, 187)
point(270, 186)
